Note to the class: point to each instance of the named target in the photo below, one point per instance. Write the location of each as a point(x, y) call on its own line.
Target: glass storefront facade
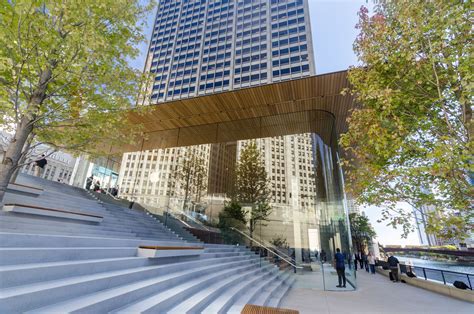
point(309, 216)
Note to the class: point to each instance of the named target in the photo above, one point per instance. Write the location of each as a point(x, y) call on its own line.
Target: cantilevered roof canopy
point(311, 104)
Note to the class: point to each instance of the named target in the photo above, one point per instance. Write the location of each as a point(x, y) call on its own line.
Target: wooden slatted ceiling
point(290, 107)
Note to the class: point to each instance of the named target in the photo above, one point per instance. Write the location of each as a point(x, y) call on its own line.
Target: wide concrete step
point(72, 233)
point(227, 298)
point(47, 222)
point(250, 295)
point(16, 240)
point(200, 300)
point(165, 300)
point(12, 219)
point(269, 290)
point(25, 200)
point(276, 298)
point(24, 274)
point(18, 256)
point(36, 228)
point(67, 291)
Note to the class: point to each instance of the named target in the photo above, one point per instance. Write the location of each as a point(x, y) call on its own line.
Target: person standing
point(340, 268)
point(89, 182)
point(393, 265)
point(39, 165)
point(356, 260)
point(371, 260)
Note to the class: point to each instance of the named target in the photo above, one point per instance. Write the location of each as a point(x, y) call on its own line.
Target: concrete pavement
point(374, 294)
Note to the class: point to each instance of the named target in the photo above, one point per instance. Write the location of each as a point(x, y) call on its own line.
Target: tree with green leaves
point(251, 185)
point(64, 75)
point(362, 231)
point(232, 216)
point(192, 175)
point(411, 139)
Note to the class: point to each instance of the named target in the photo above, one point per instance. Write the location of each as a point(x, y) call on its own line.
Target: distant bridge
point(437, 251)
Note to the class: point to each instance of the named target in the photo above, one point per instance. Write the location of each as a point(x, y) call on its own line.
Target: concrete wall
point(466, 295)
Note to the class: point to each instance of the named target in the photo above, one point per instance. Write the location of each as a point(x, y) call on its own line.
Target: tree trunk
point(13, 154)
point(22, 159)
point(23, 131)
point(186, 191)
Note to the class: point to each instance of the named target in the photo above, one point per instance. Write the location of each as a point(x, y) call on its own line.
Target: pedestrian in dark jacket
point(39, 165)
point(393, 265)
point(340, 268)
point(89, 182)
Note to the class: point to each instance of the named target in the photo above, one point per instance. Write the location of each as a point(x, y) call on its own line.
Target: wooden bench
point(168, 251)
point(16, 187)
point(256, 309)
point(51, 212)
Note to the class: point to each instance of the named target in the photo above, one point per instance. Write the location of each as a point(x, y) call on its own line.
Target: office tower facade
point(204, 47)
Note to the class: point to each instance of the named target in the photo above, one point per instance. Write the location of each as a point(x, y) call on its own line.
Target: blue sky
point(333, 33)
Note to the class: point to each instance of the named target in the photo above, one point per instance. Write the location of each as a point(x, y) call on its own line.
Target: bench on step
point(51, 212)
point(30, 189)
point(256, 309)
point(168, 251)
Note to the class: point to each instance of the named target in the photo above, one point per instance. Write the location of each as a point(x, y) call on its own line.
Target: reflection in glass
point(308, 221)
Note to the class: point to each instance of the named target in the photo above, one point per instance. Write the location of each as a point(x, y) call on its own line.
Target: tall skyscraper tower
point(208, 46)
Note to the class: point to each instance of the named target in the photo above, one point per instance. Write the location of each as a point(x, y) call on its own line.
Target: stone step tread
point(192, 304)
point(156, 299)
point(223, 300)
point(75, 237)
point(248, 296)
point(26, 289)
point(39, 228)
point(266, 293)
point(20, 267)
point(107, 235)
point(72, 233)
point(275, 300)
point(120, 291)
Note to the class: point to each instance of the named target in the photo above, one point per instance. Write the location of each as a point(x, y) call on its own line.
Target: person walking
point(365, 260)
point(371, 260)
point(322, 256)
point(361, 261)
point(356, 260)
point(39, 165)
point(393, 265)
point(340, 268)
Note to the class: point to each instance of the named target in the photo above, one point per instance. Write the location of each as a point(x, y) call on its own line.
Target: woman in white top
point(371, 260)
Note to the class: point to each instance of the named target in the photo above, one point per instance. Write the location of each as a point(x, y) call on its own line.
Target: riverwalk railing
point(440, 275)
point(444, 276)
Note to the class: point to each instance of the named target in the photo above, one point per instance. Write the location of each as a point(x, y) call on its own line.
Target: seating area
point(28, 189)
point(51, 264)
point(51, 212)
point(151, 251)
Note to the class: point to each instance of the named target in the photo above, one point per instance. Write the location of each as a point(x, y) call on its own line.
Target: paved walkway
point(375, 294)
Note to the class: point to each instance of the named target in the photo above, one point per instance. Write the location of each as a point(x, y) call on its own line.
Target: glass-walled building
point(206, 47)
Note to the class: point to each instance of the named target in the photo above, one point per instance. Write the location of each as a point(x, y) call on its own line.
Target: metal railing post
point(424, 273)
point(444, 280)
point(469, 281)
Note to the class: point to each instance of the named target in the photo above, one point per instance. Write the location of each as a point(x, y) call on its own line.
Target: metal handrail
point(252, 239)
point(442, 271)
point(275, 248)
point(189, 217)
point(436, 269)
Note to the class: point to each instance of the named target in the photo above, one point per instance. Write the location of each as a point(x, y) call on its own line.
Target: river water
point(450, 266)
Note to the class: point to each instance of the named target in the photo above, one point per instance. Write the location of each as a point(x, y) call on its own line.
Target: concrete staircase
point(52, 265)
